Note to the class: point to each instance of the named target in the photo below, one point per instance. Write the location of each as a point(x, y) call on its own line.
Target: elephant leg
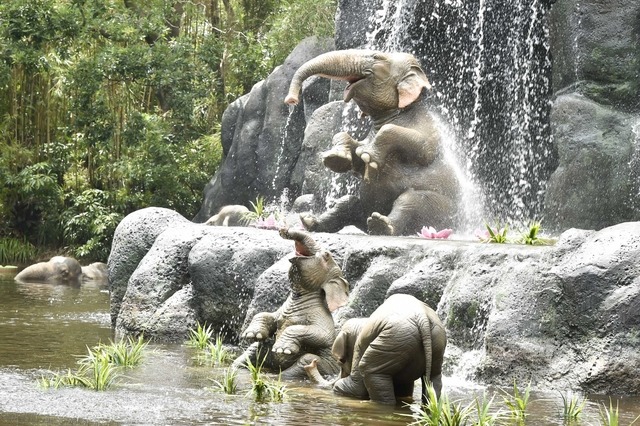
point(292, 338)
point(346, 211)
point(353, 386)
point(411, 211)
point(380, 388)
point(403, 389)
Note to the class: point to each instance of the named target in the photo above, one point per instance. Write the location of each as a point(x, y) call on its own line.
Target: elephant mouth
point(351, 80)
point(302, 250)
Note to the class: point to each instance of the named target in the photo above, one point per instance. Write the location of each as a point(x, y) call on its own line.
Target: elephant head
point(313, 269)
point(378, 82)
point(342, 349)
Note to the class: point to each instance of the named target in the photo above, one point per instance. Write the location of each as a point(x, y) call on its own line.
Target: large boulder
point(261, 137)
point(562, 316)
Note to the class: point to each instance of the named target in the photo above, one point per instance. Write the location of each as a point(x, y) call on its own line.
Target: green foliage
point(110, 107)
point(572, 407)
point(16, 252)
point(440, 411)
point(99, 369)
point(216, 353)
point(532, 236)
point(497, 235)
point(200, 337)
point(517, 403)
point(263, 389)
point(229, 383)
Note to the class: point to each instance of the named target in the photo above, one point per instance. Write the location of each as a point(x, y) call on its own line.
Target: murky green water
point(44, 327)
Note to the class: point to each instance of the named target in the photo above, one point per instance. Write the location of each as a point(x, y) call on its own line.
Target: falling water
point(489, 65)
point(283, 140)
point(634, 167)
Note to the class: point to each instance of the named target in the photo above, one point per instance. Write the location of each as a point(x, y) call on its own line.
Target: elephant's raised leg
point(411, 211)
point(346, 211)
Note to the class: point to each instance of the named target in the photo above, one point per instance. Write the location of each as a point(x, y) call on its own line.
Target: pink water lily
point(269, 223)
point(430, 232)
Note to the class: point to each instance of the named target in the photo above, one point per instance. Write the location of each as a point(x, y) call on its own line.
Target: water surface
point(45, 327)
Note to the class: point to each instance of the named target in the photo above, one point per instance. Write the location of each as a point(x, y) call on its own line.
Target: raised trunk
point(305, 245)
point(314, 375)
point(340, 64)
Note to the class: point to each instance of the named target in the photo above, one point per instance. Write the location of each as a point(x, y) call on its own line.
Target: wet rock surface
point(562, 316)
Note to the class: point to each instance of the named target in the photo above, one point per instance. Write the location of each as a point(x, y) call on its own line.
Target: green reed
point(228, 384)
point(15, 251)
point(200, 337)
point(440, 411)
point(262, 389)
point(572, 407)
point(517, 403)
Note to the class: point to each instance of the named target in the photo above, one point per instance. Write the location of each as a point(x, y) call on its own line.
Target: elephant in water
point(59, 269)
point(303, 326)
point(383, 355)
point(408, 181)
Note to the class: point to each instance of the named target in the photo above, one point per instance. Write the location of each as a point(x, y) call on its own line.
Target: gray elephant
point(231, 215)
point(408, 181)
point(303, 327)
point(95, 272)
point(383, 355)
point(59, 269)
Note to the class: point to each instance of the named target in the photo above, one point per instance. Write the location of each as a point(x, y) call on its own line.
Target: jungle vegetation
point(110, 106)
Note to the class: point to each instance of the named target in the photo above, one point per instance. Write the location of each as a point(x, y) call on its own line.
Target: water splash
point(634, 168)
point(283, 140)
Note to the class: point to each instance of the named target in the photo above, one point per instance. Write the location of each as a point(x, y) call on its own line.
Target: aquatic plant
point(440, 411)
point(124, 353)
point(217, 353)
point(610, 416)
point(532, 236)
point(495, 235)
point(572, 407)
point(483, 411)
point(200, 337)
point(228, 384)
point(517, 403)
point(431, 233)
point(262, 389)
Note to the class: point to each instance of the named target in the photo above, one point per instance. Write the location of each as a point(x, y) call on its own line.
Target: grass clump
point(572, 407)
point(200, 337)
point(517, 403)
point(441, 412)
point(262, 389)
point(228, 384)
point(100, 368)
point(216, 353)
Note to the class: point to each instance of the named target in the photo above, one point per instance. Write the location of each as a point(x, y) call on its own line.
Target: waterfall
point(489, 64)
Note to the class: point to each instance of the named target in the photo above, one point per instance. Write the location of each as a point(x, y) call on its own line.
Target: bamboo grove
point(109, 106)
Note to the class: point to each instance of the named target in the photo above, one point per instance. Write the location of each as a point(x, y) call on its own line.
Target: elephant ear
point(336, 291)
point(410, 87)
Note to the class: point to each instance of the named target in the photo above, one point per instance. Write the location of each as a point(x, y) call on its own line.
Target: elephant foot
point(339, 162)
point(309, 221)
point(379, 224)
point(286, 348)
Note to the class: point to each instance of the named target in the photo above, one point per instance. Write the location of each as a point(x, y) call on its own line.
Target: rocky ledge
point(562, 316)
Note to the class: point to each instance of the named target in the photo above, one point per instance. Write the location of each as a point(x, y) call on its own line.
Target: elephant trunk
point(347, 65)
point(305, 245)
point(314, 375)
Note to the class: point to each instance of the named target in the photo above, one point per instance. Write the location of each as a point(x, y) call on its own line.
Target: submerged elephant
point(303, 327)
point(59, 269)
point(408, 182)
point(95, 272)
point(383, 355)
point(231, 215)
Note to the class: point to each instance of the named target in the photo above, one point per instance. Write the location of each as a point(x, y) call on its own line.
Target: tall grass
point(100, 368)
point(200, 337)
point(572, 407)
point(262, 389)
point(517, 403)
point(16, 252)
point(229, 383)
point(441, 412)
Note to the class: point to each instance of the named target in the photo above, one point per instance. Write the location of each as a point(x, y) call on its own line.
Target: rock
point(562, 316)
point(591, 188)
point(261, 137)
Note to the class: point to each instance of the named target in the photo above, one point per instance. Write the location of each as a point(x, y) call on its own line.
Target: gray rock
point(562, 316)
point(593, 185)
point(261, 137)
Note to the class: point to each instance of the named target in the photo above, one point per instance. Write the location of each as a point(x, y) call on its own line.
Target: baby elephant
point(383, 355)
point(303, 326)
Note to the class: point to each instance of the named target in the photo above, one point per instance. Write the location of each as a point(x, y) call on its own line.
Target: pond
point(44, 328)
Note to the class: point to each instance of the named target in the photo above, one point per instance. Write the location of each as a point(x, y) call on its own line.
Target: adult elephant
point(59, 269)
point(302, 327)
point(382, 356)
point(408, 181)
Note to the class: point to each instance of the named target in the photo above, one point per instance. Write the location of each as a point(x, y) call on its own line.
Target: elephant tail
point(424, 326)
